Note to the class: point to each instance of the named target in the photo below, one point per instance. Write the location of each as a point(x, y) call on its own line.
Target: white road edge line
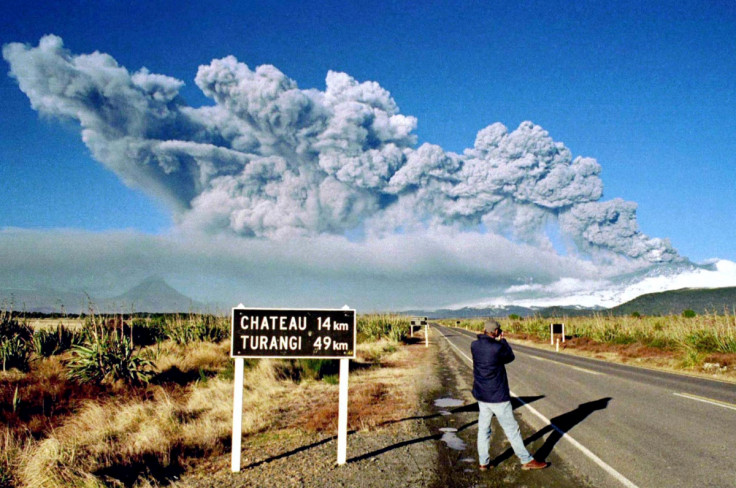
point(601, 463)
point(705, 400)
point(576, 368)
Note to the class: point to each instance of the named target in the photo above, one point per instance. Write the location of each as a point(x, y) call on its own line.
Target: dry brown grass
point(377, 395)
point(46, 323)
point(112, 440)
point(100, 436)
point(196, 356)
point(11, 446)
point(34, 402)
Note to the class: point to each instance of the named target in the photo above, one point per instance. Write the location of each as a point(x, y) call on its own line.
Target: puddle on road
point(450, 438)
point(449, 434)
point(448, 402)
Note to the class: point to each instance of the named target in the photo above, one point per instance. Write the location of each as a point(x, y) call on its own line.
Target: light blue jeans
point(505, 415)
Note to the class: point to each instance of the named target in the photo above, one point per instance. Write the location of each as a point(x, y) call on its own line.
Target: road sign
point(290, 334)
point(293, 333)
point(556, 329)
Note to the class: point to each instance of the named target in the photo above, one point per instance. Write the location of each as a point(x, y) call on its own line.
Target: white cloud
point(273, 160)
point(266, 184)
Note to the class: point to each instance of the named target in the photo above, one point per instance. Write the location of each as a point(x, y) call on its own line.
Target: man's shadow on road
point(559, 426)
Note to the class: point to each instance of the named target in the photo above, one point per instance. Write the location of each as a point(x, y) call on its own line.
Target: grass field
point(46, 323)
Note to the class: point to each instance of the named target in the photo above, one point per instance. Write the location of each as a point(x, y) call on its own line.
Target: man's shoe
point(484, 467)
point(534, 464)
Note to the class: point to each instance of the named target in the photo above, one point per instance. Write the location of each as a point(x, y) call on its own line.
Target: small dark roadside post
point(556, 330)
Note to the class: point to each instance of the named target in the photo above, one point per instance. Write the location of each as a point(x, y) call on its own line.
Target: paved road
point(623, 426)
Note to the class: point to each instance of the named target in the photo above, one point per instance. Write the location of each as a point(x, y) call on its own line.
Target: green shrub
point(9, 327)
point(660, 342)
point(107, 359)
point(145, 332)
point(691, 359)
point(319, 368)
point(331, 379)
point(205, 328)
point(228, 372)
point(688, 314)
point(47, 342)
point(15, 353)
point(536, 327)
point(15, 337)
point(705, 341)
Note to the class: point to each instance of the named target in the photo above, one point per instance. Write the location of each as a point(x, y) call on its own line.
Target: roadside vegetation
point(703, 343)
point(134, 401)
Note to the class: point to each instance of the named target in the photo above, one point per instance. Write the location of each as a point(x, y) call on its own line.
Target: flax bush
point(107, 358)
point(197, 328)
point(47, 342)
point(146, 331)
point(15, 338)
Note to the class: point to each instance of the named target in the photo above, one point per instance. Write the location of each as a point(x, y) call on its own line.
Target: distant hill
point(468, 312)
point(44, 300)
point(570, 311)
point(153, 295)
point(701, 300)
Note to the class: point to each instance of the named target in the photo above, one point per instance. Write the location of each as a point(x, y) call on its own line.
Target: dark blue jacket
point(490, 383)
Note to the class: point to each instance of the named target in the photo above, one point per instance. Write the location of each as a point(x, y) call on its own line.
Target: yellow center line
point(707, 400)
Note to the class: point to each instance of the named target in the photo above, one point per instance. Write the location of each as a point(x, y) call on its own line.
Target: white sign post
point(237, 413)
point(292, 334)
point(342, 413)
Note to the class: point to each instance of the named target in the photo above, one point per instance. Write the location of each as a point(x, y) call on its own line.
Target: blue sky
point(645, 88)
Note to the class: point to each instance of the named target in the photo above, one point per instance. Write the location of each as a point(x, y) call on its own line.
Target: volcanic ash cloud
point(271, 160)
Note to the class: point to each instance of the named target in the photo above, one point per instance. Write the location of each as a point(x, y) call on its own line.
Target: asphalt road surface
point(621, 425)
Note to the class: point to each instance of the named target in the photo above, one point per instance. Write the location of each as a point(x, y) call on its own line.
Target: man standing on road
point(491, 388)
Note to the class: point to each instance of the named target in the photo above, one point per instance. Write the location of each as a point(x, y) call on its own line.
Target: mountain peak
point(152, 284)
point(154, 294)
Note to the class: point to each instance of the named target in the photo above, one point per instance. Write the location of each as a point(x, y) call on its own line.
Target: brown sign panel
point(293, 333)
